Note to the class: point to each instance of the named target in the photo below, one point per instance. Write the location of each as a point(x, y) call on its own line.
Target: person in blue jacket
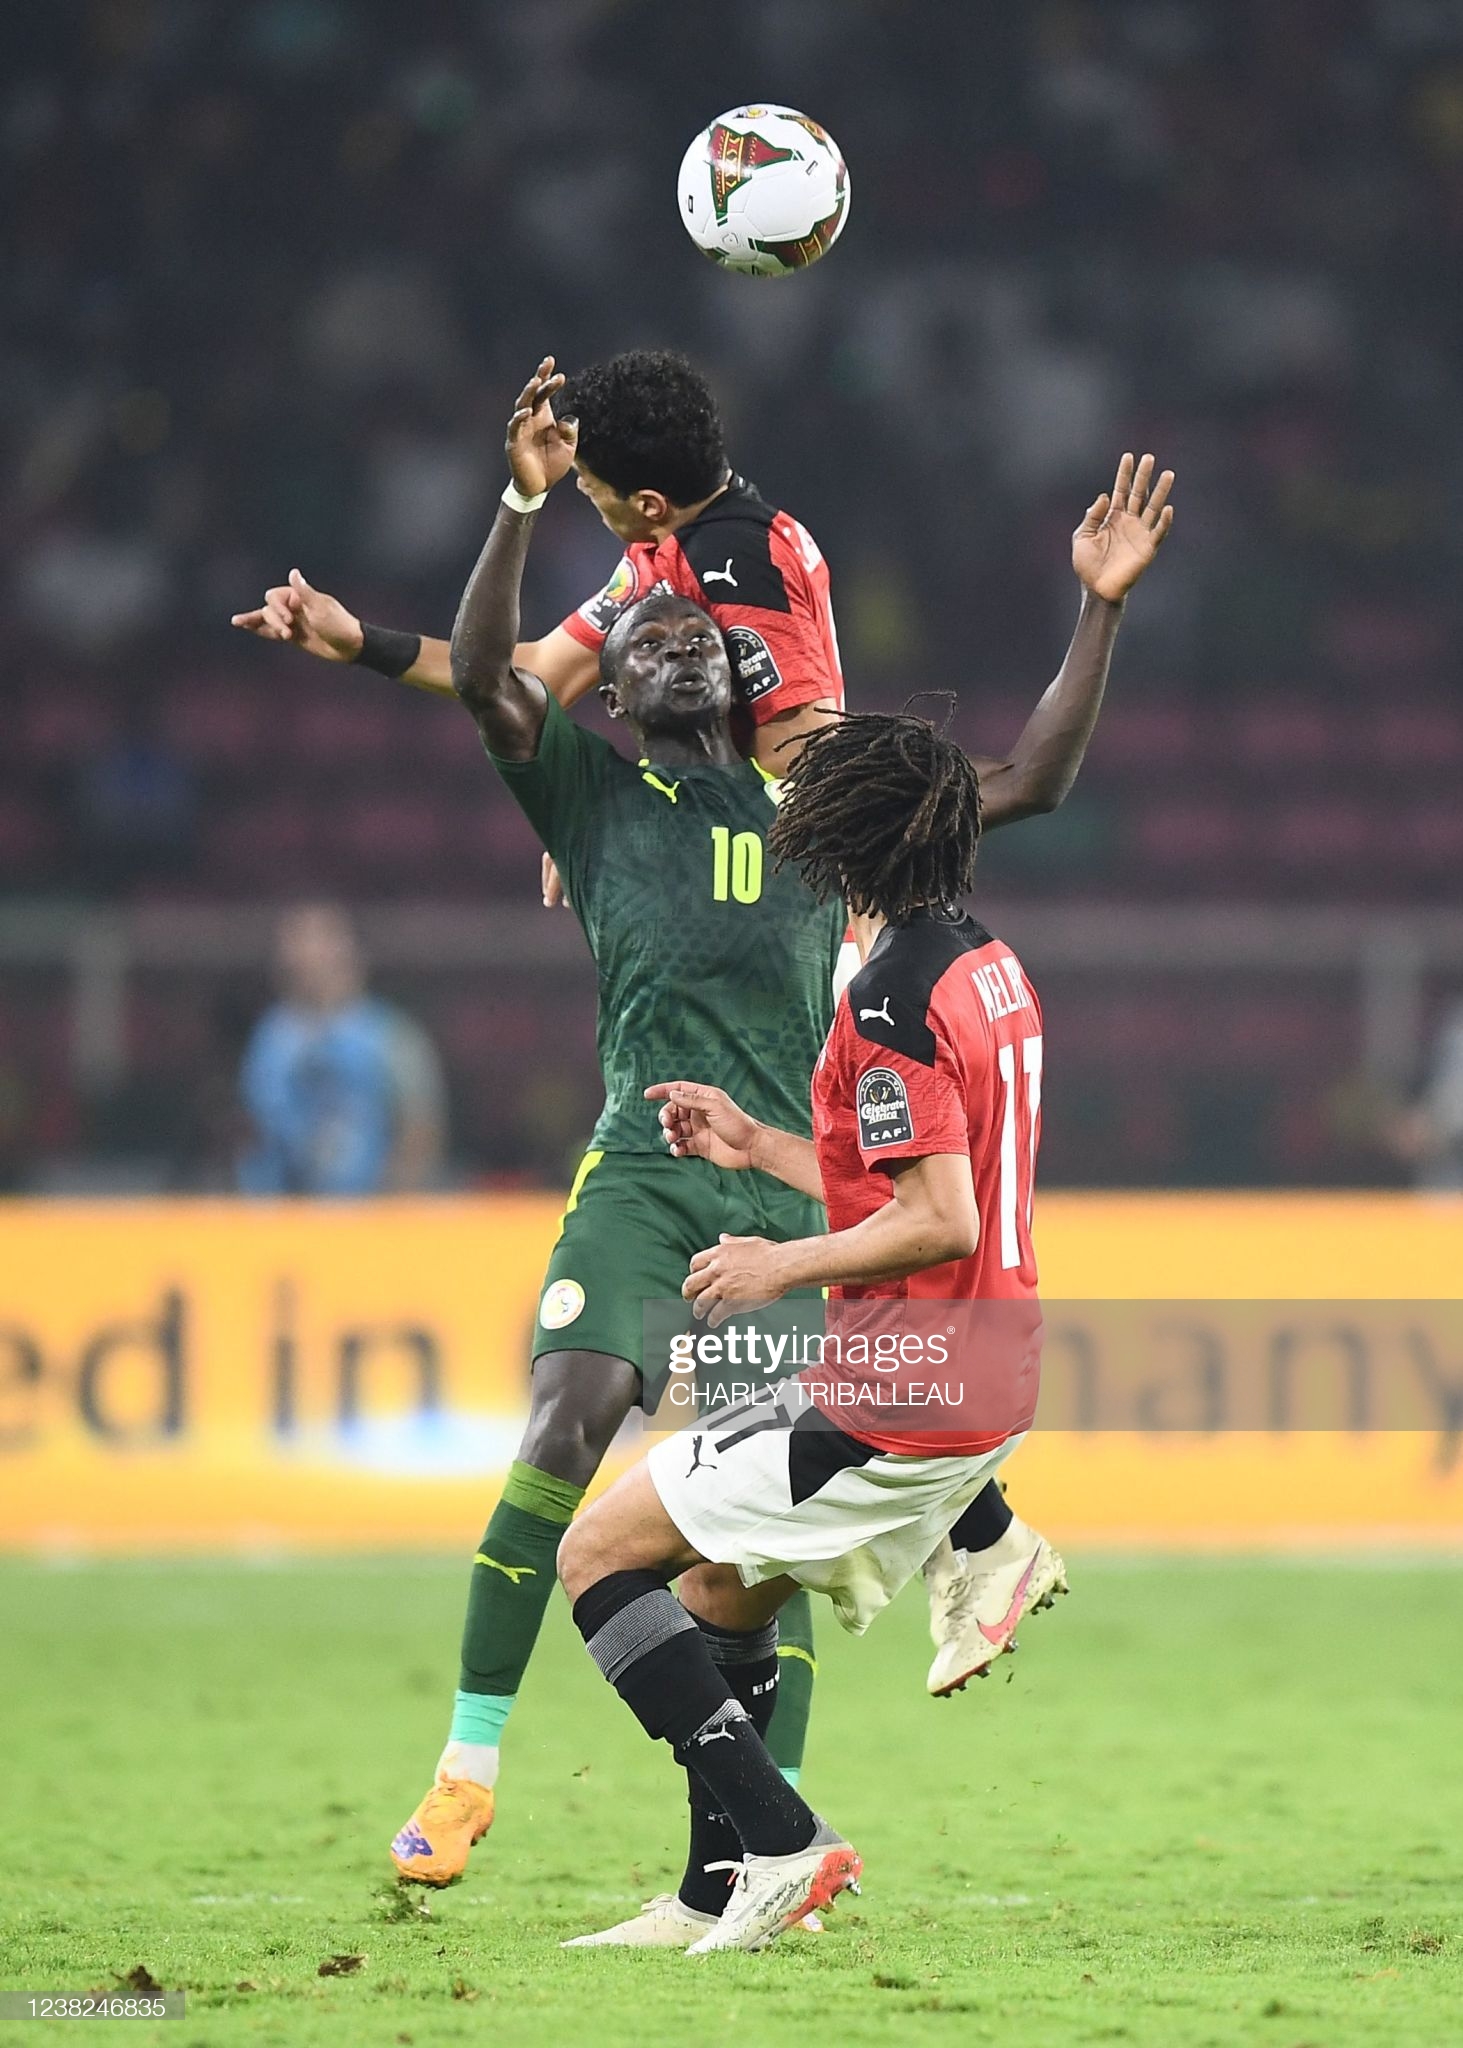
point(344, 1093)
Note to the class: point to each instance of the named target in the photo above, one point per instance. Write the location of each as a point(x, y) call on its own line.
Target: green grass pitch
point(1218, 1803)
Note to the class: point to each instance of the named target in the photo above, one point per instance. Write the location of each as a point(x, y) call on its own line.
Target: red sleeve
point(905, 1108)
point(772, 606)
point(777, 663)
point(578, 627)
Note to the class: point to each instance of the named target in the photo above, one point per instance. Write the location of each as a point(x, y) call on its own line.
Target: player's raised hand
point(310, 619)
point(1123, 530)
point(540, 448)
point(698, 1122)
point(733, 1277)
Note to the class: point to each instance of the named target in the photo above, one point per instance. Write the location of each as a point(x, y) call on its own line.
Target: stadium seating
point(1284, 723)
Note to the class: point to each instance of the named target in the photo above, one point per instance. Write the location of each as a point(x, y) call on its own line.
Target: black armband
point(387, 652)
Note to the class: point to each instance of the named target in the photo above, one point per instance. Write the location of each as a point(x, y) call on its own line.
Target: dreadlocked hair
point(883, 810)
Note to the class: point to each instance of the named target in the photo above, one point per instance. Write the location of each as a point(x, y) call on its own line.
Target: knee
point(563, 1442)
point(572, 1561)
point(580, 1562)
point(714, 1593)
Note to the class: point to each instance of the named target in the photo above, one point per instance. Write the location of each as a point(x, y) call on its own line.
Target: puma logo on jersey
point(882, 1013)
point(698, 1463)
point(515, 1572)
point(722, 575)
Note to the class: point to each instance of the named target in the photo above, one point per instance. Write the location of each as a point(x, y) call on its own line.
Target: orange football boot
point(433, 1847)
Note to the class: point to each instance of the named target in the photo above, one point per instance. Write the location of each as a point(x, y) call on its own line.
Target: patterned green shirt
point(711, 968)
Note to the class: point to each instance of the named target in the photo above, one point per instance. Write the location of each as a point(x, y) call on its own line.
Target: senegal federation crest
point(562, 1303)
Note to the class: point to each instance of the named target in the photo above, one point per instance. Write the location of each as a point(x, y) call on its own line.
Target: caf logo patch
point(561, 1304)
point(883, 1110)
point(754, 672)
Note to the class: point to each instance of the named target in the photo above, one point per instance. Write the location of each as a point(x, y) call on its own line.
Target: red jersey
point(761, 577)
point(936, 1046)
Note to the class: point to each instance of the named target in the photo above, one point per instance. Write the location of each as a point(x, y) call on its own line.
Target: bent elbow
point(1044, 801)
point(1038, 795)
point(1008, 802)
point(467, 683)
point(958, 1239)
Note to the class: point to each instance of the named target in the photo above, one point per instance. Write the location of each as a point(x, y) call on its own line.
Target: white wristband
point(514, 499)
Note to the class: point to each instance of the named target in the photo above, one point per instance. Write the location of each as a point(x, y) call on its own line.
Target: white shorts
point(755, 1489)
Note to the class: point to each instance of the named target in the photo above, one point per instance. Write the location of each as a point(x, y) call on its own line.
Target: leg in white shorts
point(776, 1492)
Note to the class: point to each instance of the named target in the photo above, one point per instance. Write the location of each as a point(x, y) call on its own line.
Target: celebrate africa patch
point(883, 1110)
point(754, 672)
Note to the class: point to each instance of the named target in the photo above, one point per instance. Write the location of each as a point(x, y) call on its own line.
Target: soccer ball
point(764, 190)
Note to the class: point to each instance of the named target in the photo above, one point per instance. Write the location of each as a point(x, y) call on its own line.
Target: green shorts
point(632, 1223)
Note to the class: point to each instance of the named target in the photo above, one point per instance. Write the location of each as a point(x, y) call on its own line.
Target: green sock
point(478, 1717)
point(797, 1667)
point(512, 1578)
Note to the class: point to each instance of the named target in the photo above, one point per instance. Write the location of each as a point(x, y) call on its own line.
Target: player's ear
point(654, 507)
point(610, 698)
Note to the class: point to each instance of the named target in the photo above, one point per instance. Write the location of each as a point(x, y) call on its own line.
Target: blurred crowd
point(273, 268)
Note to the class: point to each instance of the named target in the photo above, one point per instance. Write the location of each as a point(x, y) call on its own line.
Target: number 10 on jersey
point(736, 865)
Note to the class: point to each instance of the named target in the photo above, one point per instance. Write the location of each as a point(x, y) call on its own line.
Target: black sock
point(748, 1663)
point(740, 1776)
point(652, 1652)
point(985, 1521)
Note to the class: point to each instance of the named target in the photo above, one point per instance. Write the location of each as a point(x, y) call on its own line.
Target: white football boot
point(770, 1894)
point(978, 1598)
point(662, 1922)
point(666, 1921)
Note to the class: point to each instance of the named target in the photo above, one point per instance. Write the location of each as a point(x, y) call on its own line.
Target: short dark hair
point(659, 604)
point(648, 422)
point(884, 810)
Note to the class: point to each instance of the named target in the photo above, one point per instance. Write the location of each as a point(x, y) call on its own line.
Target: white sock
point(1016, 1542)
point(475, 1760)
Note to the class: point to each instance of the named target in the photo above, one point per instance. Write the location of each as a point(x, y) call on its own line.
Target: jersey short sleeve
point(903, 1107)
point(769, 597)
point(558, 790)
point(763, 580)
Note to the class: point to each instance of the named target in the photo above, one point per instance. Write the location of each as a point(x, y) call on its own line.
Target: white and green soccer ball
point(764, 190)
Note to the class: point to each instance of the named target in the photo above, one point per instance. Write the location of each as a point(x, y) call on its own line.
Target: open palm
point(540, 448)
point(1123, 530)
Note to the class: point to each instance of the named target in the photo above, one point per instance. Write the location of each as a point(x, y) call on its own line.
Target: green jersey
point(711, 967)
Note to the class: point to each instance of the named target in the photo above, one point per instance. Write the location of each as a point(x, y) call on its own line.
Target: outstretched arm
point(299, 615)
point(1114, 545)
point(319, 624)
point(507, 703)
point(931, 1218)
point(700, 1122)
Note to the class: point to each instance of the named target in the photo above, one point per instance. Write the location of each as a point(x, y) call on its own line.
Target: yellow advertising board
point(217, 1374)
